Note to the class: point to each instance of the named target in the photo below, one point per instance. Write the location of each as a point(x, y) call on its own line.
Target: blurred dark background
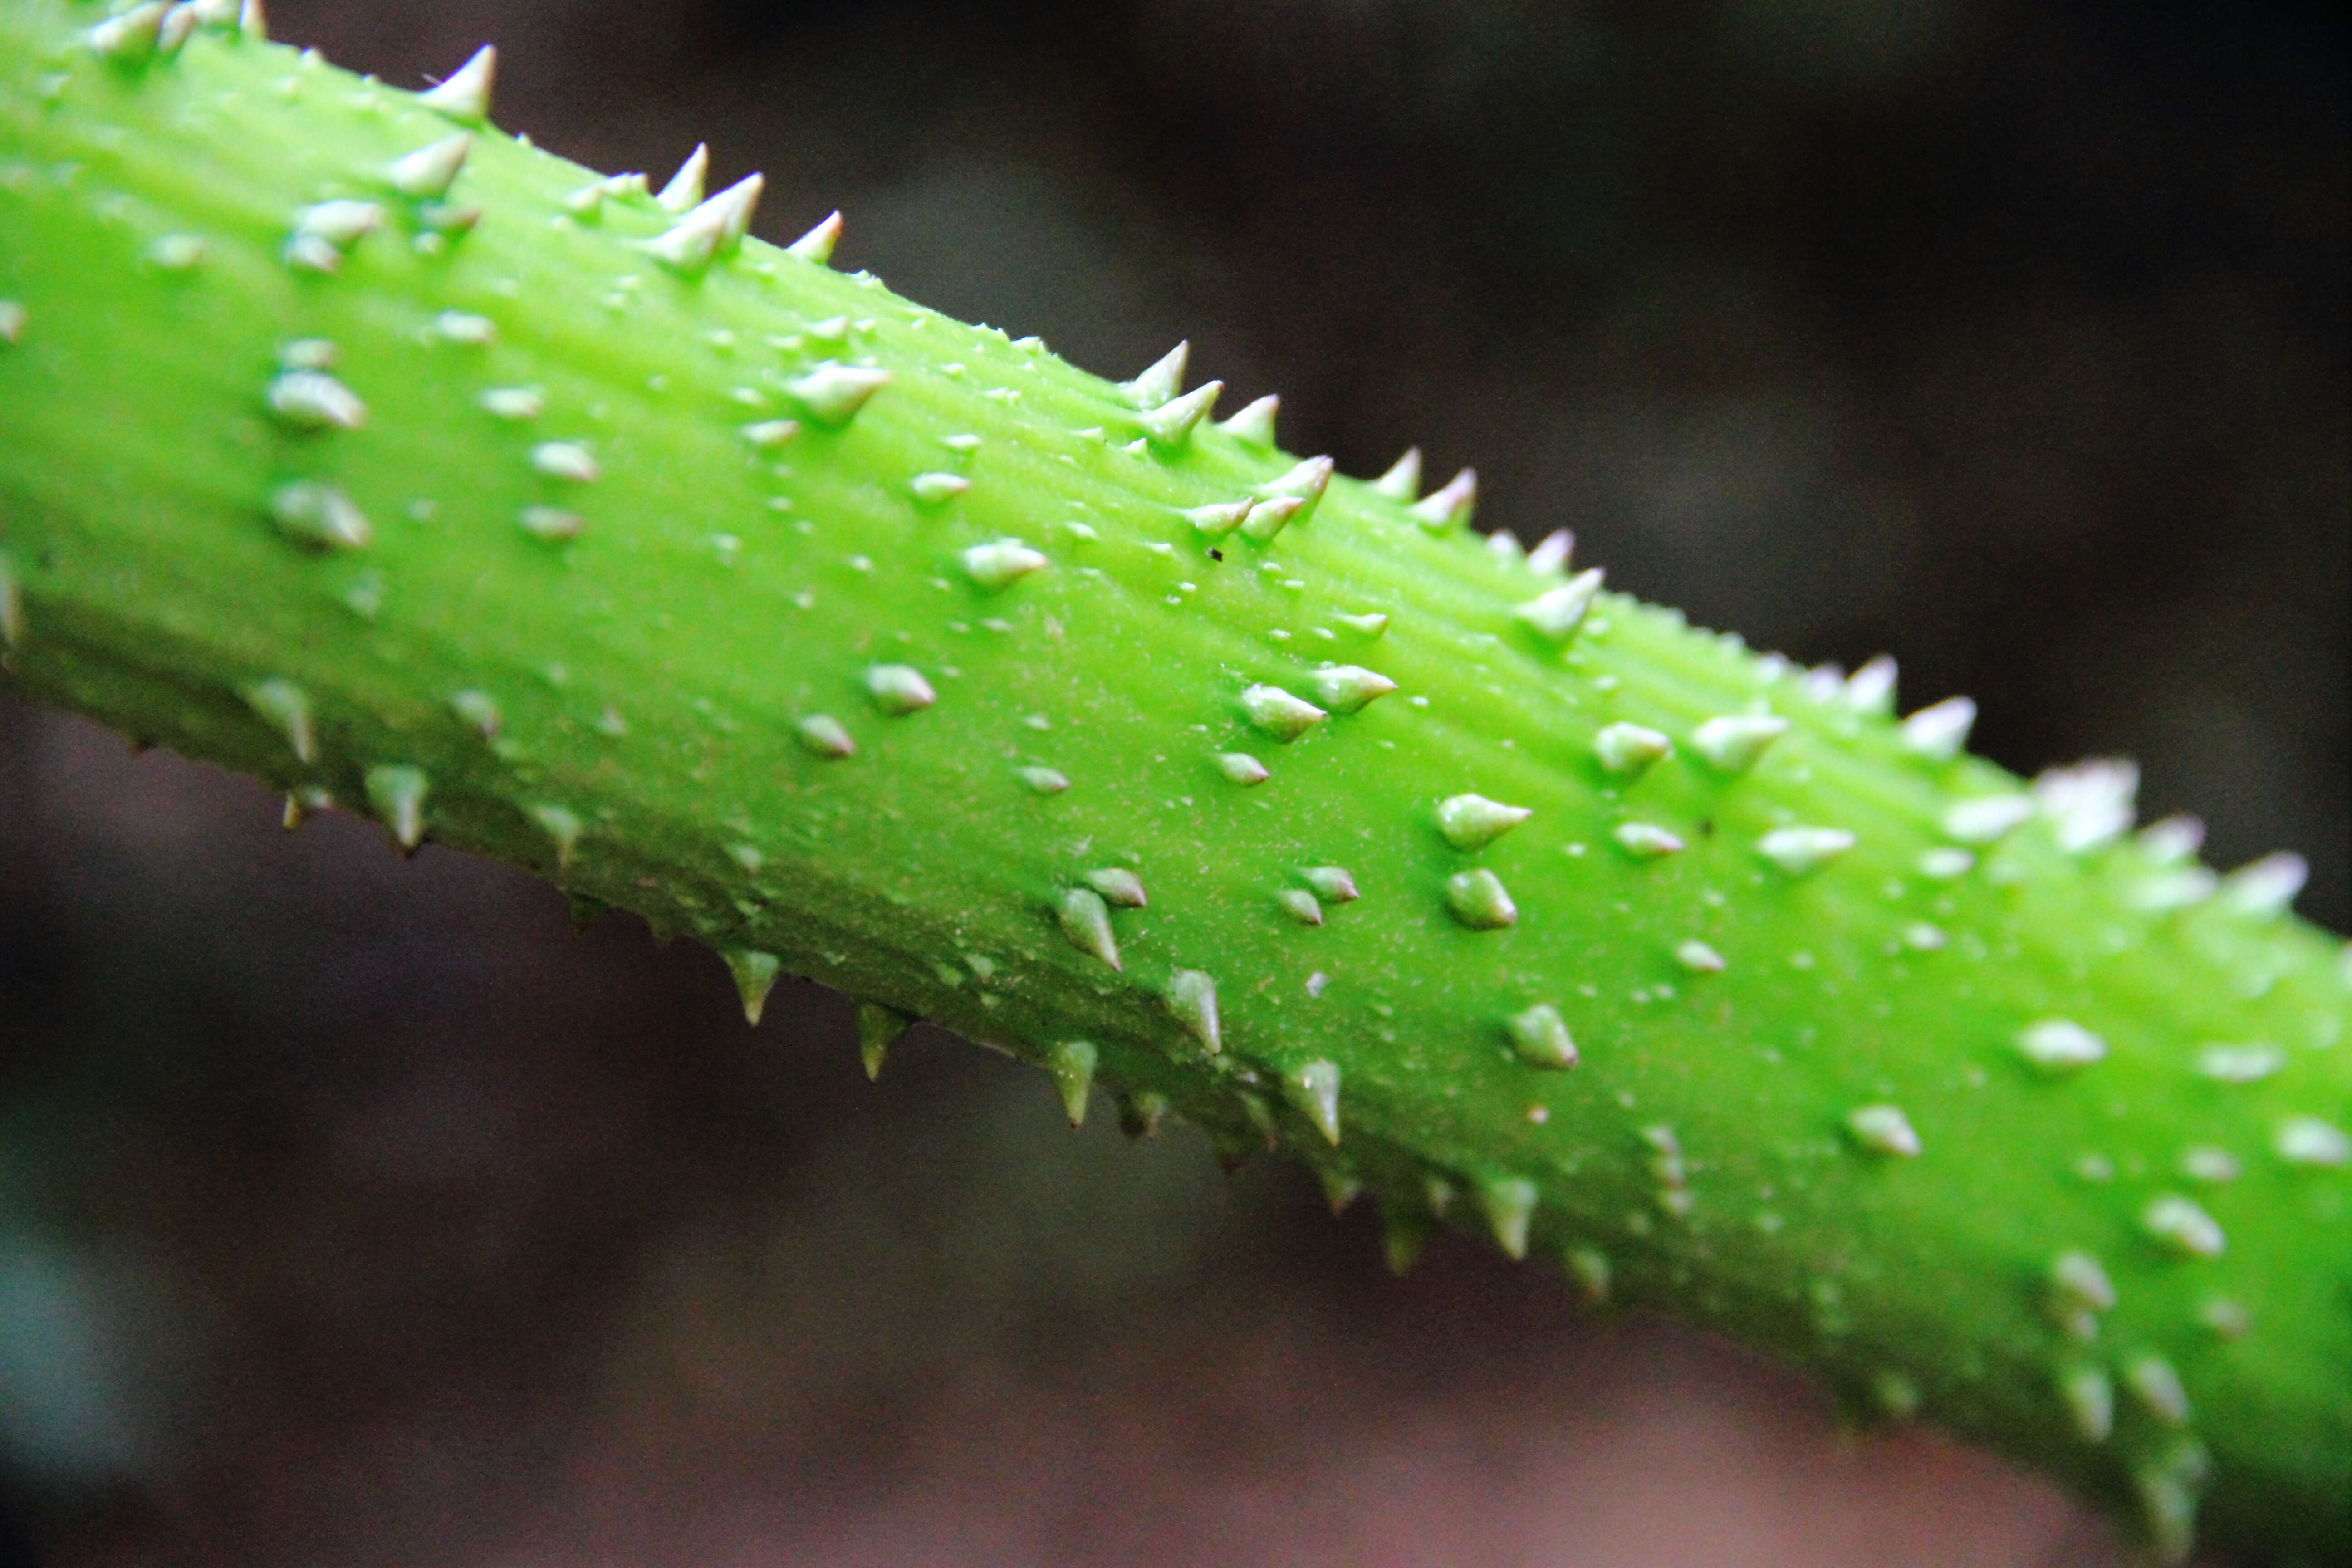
point(355, 1211)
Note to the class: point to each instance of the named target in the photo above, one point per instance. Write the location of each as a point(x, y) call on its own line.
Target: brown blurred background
point(355, 1211)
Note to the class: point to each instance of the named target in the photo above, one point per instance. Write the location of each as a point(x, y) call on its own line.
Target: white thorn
point(1630, 749)
point(818, 244)
point(1801, 851)
point(1162, 381)
point(1451, 507)
point(1005, 561)
point(1884, 1129)
point(1346, 687)
point(1870, 688)
point(1170, 424)
point(899, 690)
point(1278, 713)
point(713, 225)
point(2090, 804)
point(1939, 731)
point(2058, 1046)
point(251, 23)
point(1983, 819)
point(431, 169)
point(1551, 558)
point(931, 488)
point(465, 93)
point(1473, 822)
point(1557, 612)
point(1646, 840)
point(833, 393)
point(1253, 425)
point(2267, 886)
point(1539, 1037)
point(1402, 481)
point(1314, 1092)
point(685, 188)
point(1733, 741)
point(1219, 518)
point(129, 35)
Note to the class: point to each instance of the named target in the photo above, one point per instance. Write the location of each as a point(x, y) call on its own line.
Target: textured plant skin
point(562, 589)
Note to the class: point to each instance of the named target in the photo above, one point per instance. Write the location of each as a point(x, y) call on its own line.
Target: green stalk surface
point(578, 548)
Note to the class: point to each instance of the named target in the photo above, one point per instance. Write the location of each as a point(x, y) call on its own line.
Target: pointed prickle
point(1402, 481)
point(1071, 1064)
point(1733, 742)
point(769, 434)
point(1557, 612)
point(1331, 883)
point(2266, 887)
point(1539, 1037)
point(1253, 425)
point(465, 94)
point(1170, 424)
point(1044, 780)
point(1313, 1092)
point(716, 226)
point(1300, 905)
point(755, 975)
point(1242, 768)
point(1346, 687)
point(13, 318)
point(935, 488)
point(1192, 1000)
point(1371, 623)
point(564, 829)
point(1404, 1231)
point(1801, 851)
point(1141, 1112)
point(1479, 900)
point(1001, 563)
point(1217, 519)
point(287, 708)
point(1473, 822)
point(179, 22)
point(1698, 957)
point(1505, 547)
point(1340, 1184)
point(1983, 819)
point(899, 690)
point(313, 400)
point(2059, 1046)
point(396, 793)
point(11, 603)
point(311, 514)
point(1883, 1130)
point(1117, 886)
point(130, 36)
point(1450, 508)
point(878, 1028)
point(1508, 1204)
point(685, 188)
point(1551, 558)
point(2090, 804)
point(833, 393)
point(1305, 483)
point(1646, 840)
point(1941, 730)
point(816, 245)
point(1278, 713)
point(2182, 1228)
point(567, 460)
point(1870, 688)
point(1085, 921)
point(1162, 381)
point(1264, 519)
point(824, 736)
point(1630, 751)
point(431, 169)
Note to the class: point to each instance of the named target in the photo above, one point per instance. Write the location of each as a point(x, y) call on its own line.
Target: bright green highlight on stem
point(349, 442)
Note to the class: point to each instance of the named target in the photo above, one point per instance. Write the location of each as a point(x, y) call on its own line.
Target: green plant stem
point(606, 570)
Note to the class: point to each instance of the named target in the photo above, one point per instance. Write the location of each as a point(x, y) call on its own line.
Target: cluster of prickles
point(2081, 812)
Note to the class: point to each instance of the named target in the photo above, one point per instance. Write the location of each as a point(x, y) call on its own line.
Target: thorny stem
point(349, 442)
